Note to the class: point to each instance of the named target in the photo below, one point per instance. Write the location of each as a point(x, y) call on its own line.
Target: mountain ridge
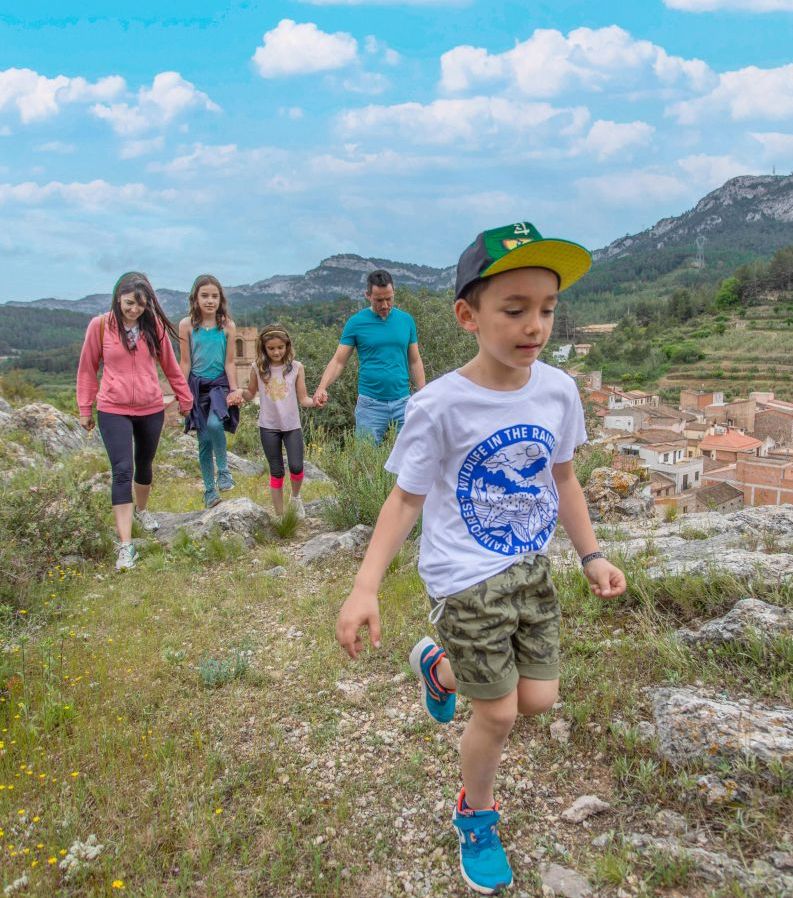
point(750, 214)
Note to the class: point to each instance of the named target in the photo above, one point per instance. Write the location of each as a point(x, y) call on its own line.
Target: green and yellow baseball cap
point(520, 245)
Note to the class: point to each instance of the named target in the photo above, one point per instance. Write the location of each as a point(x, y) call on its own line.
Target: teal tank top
point(208, 352)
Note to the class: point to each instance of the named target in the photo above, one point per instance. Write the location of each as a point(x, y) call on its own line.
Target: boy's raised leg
point(431, 666)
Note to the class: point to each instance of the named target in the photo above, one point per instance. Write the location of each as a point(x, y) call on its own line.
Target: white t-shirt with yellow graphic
point(278, 408)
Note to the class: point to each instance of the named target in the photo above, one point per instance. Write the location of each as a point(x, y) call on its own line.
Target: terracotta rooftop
point(655, 435)
point(732, 441)
point(718, 493)
point(658, 477)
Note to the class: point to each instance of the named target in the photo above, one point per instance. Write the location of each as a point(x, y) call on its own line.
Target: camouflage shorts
point(501, 629)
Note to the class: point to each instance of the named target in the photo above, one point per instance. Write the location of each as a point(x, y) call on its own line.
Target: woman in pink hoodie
point(128, 342)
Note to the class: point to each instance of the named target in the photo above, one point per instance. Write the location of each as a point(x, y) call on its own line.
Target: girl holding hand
point(206, 347)
point(280, 381)
point(129, 341)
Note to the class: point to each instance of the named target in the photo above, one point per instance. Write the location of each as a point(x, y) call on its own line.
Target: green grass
point(223, 745)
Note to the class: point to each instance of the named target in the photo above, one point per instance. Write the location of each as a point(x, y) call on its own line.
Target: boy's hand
point(360, 610)
point(606, 580)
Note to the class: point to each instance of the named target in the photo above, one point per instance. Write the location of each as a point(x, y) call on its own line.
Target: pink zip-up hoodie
point(130, 385)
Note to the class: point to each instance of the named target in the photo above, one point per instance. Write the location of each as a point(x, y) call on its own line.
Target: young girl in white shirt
point(280, 381)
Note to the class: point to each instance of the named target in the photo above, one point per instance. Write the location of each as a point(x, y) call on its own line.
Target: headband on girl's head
point(275, 333)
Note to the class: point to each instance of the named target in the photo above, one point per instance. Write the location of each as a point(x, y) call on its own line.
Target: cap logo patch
point(513, 243)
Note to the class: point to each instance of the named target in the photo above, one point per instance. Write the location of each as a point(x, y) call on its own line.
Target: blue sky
point(256, 138)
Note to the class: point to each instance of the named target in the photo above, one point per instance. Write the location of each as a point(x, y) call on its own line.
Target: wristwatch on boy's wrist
point(592, 556)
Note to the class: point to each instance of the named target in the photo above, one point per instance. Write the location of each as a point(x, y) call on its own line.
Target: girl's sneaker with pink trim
point(438, 702)
point(483, 861)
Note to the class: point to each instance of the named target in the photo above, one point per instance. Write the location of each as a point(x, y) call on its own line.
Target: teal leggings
point(211, 449)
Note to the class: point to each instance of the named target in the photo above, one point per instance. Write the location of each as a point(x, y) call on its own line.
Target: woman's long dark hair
point(222, 313)
point(154, 323)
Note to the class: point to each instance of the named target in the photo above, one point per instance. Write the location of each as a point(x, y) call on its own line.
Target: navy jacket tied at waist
point(209, 395)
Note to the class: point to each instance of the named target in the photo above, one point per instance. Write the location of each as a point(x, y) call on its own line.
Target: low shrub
point(44, 517)
point(362, 482)
point(588, 458)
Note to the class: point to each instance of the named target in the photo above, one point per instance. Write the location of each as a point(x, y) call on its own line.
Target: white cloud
point(749, 93)
point(709, 172)
point(548, 63)
point(775, 143)
point(471, 121)
point(292, 112)
point(302, 49)
point(168, 97)
point(375, 47)
point(56, 146)
point(632, 188)
point(201, 157)
point(607, 138)
point(744, 5)
point(371, 83)
point(98, 194)
point(38, 97)
point(133, 149)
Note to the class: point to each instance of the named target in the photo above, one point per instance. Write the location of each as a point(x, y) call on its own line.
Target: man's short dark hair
point(378, 278)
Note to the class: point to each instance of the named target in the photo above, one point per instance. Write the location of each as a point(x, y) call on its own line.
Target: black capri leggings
point(272, 441)
point(120, 433)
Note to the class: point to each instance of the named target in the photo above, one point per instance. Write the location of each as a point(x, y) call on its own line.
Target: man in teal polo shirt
point(388, 357)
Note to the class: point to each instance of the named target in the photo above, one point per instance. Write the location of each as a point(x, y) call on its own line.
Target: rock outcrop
point(237, 517)
point(57, 433)
point(751, 543)
point(748, 618)
point(616, 496)
point(695, 727)
point(327, 545)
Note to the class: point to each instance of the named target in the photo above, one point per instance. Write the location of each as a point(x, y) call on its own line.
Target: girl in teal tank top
point(206, 341)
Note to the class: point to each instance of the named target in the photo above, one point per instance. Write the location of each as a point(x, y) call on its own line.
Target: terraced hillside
point(755, 352)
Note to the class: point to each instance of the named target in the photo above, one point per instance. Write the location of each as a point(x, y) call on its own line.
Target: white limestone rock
point(695, 727)
point(746, 618)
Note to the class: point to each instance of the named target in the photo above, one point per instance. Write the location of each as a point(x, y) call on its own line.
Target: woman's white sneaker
point(127, 557)
point(146, 519)
point(300, 509)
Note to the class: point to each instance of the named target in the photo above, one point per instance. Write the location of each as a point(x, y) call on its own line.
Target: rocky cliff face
point(747, 212)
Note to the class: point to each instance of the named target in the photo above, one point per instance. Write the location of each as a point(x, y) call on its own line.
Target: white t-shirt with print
point(484, 459)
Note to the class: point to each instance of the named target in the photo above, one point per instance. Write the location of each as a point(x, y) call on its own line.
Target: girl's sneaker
point(483, 861)
point(211, 499)
point(438, 702)
point(146, 519)
point(300, 509)
point(127, 557)
point(225, 481)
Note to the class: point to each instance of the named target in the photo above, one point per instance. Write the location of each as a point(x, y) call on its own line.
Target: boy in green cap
point(487, 453)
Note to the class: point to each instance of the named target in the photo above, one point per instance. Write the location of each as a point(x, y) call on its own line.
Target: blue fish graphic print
point(506, 492)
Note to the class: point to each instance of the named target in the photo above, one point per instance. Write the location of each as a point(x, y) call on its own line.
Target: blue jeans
point(212, 441)
point(373, 416)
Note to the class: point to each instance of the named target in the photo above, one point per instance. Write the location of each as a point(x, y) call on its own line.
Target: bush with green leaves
point(45, 516)
point(362, 482)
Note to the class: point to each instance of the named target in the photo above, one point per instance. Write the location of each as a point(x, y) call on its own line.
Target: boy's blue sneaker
point(483, 861)
point(438, 702)
point(225, 481)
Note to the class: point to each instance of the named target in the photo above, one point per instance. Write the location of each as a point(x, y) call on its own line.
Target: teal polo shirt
point(382, 347)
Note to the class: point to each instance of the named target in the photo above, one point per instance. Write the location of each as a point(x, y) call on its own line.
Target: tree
point(729, 294)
